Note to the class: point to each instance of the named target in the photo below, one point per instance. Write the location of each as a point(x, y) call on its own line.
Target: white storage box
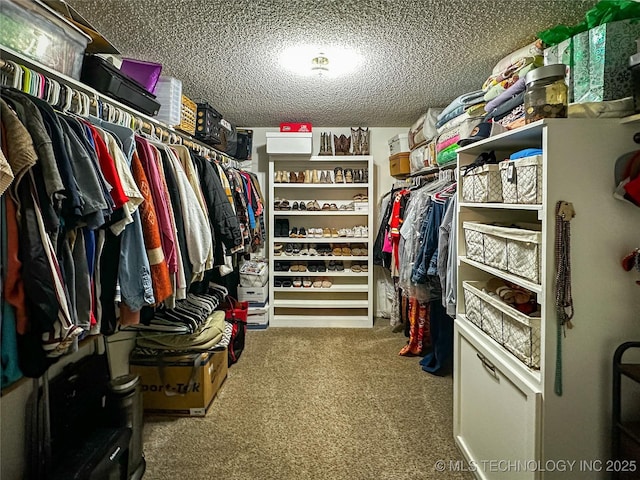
point(258, 317)
point(256, 296)
point(361, 207)
point(289, 143)
point(169, 94)
point(399, 144)
point(254, 274)
point(517, 332)
point(522, 180)
point(482, 185)
point(514, 250)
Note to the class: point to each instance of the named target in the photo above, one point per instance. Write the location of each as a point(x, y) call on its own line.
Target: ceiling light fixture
point(320, 64)
point(325, 62)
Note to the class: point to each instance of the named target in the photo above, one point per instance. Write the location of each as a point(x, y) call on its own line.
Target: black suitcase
point(104, 77)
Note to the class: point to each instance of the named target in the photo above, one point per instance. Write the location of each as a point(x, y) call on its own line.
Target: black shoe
point(296, 206)
point(302, 233)
point(294, 233)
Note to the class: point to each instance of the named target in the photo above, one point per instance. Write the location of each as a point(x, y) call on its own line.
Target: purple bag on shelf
point(146, 74)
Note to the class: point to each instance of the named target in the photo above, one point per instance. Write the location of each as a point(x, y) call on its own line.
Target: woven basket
point(187, 116)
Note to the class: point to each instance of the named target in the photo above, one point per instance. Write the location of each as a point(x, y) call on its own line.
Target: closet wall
point(383, 181)
point(379, 149)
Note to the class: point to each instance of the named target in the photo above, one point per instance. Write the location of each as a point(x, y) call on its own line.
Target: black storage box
point(208, 124)
point(245, 144)
point(104, 77)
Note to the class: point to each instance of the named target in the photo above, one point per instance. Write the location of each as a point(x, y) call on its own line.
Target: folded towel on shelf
point(508, 94)
point(466, 99)
point(506, 108)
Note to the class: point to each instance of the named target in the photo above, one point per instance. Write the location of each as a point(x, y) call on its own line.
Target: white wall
point(379, 146)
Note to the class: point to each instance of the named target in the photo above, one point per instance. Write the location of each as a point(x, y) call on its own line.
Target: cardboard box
point(399, 143)
point(184, 385)
point(254, 274)
point(258, 318)
point(399, 164)
point(295, 127)
point(256, 296)
point(289, 143)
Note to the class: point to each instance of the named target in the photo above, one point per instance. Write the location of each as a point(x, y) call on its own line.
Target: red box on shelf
point(295, 127)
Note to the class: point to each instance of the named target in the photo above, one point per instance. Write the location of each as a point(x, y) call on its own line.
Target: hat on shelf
point(481, 131)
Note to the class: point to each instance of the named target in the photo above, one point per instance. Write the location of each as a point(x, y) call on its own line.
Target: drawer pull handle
point(488, 365)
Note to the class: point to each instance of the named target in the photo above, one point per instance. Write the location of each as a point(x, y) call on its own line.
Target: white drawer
point(496, 416)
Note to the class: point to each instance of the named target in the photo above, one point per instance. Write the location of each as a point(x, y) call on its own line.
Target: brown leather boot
point(300, 177)
point(345, 142)
point(337, 141)
point(293, 178)
point(355, 141)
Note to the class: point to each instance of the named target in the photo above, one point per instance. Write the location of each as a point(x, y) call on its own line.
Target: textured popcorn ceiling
point(417, 54)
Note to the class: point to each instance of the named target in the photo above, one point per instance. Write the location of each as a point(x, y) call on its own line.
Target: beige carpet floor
point(307, 404)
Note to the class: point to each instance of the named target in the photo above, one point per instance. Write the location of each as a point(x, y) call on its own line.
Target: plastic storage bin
point(289, 143)
point(522, 180)
point(517, 332)
point(41, 34)
point(145, 73)
point(514, 250)
point(169, 94)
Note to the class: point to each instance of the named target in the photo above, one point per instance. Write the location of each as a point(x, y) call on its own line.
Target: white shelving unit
point(504, 410)
point(349, 300)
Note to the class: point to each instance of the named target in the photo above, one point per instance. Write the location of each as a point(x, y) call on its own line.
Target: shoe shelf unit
point(503, 408)
point(342, 294)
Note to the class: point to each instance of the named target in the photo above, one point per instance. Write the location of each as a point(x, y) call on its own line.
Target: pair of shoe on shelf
point(306, 176)
point(350, 175)
point(359, 267)
point(358, 250)
point(335, 265)
point(295, 233)
point(360, 198)
point(304, 282)
point(356, 232)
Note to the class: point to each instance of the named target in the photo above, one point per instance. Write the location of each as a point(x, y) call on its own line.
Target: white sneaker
point(365, 232)
point(350, 232)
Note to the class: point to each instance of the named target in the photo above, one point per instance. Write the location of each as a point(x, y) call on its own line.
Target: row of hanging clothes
point(416, 242)
point(100, 220)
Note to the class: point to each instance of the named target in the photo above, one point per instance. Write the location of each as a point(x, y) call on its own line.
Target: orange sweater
point(151, 231)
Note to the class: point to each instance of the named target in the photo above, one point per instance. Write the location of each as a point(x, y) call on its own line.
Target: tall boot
point(322, 151)
point(337, 141)
point(355, 140)
point(346, 144)
point(365, 141)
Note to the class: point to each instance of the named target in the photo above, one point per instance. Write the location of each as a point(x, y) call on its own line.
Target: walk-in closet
point(359, 240)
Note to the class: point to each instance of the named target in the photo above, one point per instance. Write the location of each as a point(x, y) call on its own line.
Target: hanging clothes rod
point(145, 123)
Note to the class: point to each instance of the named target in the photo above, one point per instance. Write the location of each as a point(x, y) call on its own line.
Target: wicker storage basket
point(522, 180)
point(517, 332)
point(187, 116)
point(482, 185)
point(514, 250)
